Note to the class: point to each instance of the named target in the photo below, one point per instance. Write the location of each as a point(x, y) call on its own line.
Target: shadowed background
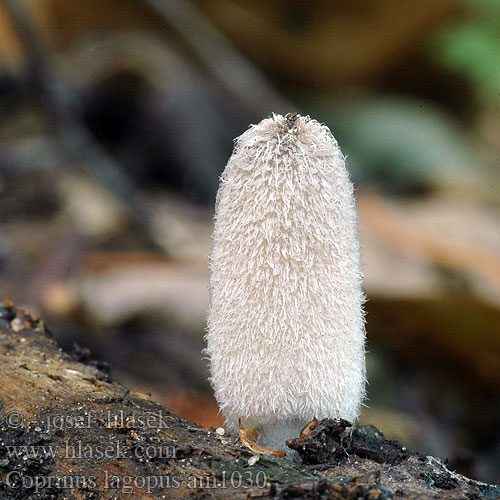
point(116, 119)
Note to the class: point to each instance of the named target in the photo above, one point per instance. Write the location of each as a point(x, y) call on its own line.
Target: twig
point(230, 67)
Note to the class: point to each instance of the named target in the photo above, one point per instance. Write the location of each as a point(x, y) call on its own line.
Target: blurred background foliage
point(473, 47)
point(116, 119)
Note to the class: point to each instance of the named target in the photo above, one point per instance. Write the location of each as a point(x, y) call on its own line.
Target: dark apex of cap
point(291, 118)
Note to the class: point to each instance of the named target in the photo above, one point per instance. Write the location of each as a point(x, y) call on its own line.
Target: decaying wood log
point(68, 431)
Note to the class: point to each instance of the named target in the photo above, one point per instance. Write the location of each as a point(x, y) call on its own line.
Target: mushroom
point(286, 335)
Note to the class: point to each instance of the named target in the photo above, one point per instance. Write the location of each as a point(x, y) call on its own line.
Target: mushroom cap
point(286, 335)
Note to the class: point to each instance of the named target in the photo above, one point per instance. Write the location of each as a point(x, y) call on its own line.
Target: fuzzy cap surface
point(286, 332)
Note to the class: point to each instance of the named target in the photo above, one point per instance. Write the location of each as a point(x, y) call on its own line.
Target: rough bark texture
point(68, 431)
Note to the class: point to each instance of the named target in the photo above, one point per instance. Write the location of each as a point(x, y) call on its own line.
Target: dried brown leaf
point(248, 438)
point(309, 428)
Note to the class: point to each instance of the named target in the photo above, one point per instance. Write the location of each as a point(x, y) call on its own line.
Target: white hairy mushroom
point(285, 323)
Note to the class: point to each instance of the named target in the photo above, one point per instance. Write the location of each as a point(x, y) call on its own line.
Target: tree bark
point(67, 430)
